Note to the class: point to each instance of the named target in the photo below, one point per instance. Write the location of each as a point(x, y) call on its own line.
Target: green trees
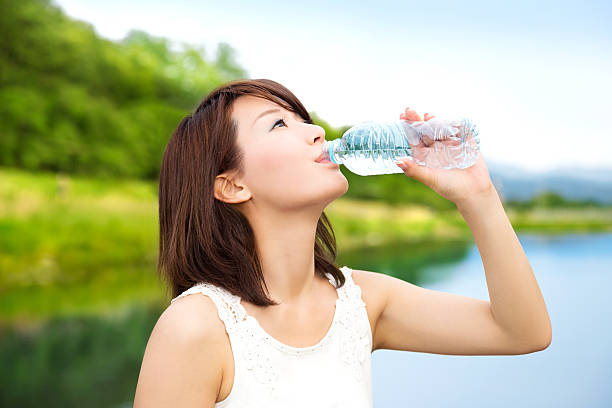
point(71, 101)
point(549, 199)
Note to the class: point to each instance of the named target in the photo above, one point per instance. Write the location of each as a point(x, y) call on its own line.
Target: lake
point(574, 273)
point(69, 361)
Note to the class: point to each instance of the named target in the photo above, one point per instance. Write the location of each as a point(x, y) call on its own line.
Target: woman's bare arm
point(516, 301)
point(515, 321)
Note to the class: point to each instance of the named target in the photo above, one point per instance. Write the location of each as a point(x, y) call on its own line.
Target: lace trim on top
point(355, 333)
point(356, 337)
point(229, 309)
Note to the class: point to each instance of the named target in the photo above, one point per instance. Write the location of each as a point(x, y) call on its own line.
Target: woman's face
point(280, 149)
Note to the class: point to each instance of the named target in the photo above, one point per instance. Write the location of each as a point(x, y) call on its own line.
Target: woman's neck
point(285, 246)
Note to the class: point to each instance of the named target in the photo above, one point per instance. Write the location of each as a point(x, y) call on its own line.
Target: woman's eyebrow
point(265, 113)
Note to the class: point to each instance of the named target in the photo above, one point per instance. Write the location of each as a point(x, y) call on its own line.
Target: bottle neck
point(335, 150)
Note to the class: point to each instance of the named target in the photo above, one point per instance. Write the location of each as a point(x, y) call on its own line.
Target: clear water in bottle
point(370, 148)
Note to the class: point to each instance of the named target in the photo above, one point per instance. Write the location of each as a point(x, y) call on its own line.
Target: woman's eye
point(278, 121)
point(282, 120)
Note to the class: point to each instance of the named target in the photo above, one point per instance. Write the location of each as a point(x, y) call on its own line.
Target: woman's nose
point(319, 135)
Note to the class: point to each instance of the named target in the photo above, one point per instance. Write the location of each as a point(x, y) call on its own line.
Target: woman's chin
point(342, 188)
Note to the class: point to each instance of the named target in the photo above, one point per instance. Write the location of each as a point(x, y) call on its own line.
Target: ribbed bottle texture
point(371, 148)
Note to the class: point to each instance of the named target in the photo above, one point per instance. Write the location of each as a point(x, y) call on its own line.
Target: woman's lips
point(328, 163)
point(324, 159)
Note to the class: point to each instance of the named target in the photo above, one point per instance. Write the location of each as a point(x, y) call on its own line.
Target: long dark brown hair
point(203, 239)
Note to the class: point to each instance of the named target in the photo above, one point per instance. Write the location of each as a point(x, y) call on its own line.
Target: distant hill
point(574, 183)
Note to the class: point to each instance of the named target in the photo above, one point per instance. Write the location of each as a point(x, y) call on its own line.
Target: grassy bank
point(71, 245)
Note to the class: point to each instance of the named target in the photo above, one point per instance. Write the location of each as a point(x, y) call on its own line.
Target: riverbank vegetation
point(79, 244)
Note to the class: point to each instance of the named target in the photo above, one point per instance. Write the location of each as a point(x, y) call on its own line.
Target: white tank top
point(336, 372)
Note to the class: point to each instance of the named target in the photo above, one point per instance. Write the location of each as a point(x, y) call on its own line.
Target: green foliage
point(75, 244)
point(550, 199)
point(72, 244)
point(75, 103)
point(71, 101)
point(66, 361)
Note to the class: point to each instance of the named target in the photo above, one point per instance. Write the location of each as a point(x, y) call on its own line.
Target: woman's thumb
point(414, 171)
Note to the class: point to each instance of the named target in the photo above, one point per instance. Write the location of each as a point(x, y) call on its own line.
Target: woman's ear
point(230, 190)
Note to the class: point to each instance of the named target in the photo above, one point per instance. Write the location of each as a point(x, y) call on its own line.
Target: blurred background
point(90, 92)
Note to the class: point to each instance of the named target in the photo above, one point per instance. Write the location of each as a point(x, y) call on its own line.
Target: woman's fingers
point(427, 140)
point(410, 114)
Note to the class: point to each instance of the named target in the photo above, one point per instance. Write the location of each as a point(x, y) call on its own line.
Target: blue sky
point(535, 76)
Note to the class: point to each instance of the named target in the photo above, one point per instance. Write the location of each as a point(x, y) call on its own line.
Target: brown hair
point(203, 239)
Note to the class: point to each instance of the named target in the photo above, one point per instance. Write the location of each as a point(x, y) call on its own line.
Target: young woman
point(260, 315)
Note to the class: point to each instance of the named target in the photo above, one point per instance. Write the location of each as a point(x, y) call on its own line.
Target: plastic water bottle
point(370, 148)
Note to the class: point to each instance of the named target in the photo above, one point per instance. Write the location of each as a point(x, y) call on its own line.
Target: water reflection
point(66, 361)
point(95, 361)
point(407, 260)
point(79, 361)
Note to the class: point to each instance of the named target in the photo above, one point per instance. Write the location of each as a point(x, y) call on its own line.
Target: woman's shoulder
point(186, 345)
point(373, 293)
point(192, 315)
point(372, 285)
point(190, 323)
